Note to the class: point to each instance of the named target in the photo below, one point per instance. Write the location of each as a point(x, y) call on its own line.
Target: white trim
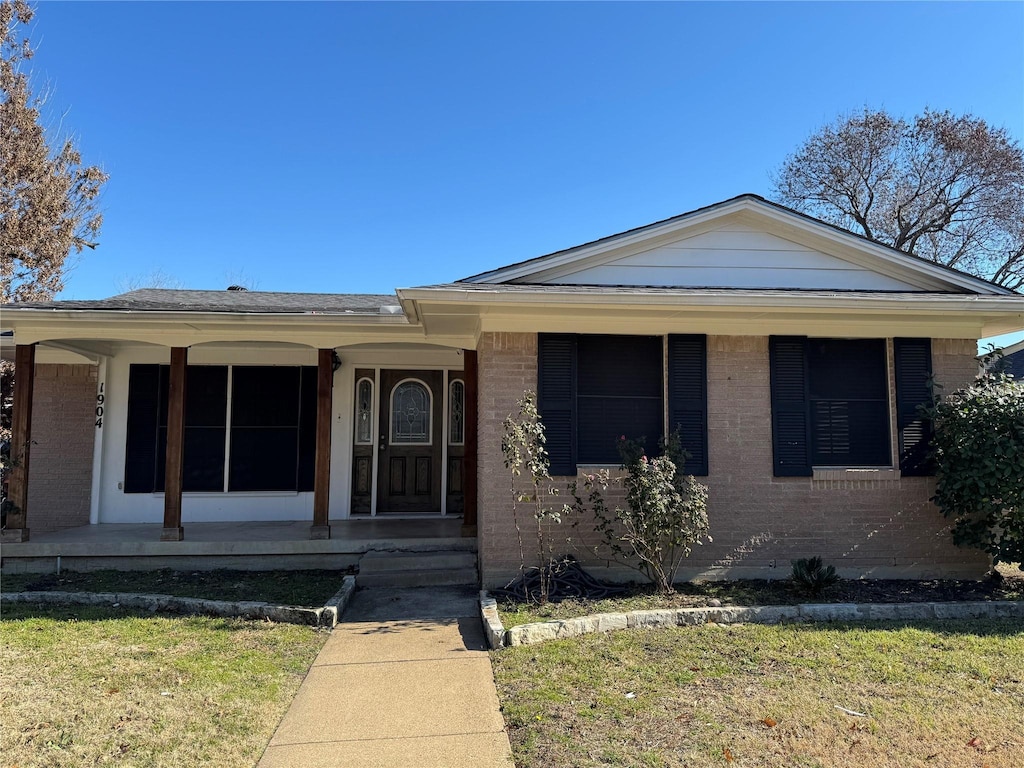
point(375, 463)
point(97, 445)
point(430, 414)
point(881, 258)
point(227, 428)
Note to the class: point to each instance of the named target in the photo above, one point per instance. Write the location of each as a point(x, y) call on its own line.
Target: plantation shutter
point(913, 363)
point(688, 397)
point(790, 412)
point(143, 415)
point(556, 398)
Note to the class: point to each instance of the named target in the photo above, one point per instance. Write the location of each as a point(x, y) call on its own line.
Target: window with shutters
point(262, 438)
point(830, 402)
point(849, 403)
point(595, 389)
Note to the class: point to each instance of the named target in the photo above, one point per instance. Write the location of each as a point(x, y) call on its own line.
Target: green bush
point(978, 449)
point(665, 516)
point(812, 577)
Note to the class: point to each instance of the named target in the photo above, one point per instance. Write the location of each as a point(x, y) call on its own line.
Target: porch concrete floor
point(248, 538)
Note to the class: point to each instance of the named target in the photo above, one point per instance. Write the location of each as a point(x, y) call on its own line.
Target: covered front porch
point(250, 545)
point(251, 423)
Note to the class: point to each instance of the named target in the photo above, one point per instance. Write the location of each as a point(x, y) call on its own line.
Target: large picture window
point(264, 442)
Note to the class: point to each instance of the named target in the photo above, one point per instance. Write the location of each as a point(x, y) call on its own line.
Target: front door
point(411, 431)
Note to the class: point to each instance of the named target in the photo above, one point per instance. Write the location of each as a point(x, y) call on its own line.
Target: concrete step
point(386, 562)
point(449, 577)
point(446, 568)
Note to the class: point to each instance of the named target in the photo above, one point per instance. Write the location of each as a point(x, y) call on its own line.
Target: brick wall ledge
point(325, 617)
point(867, 474)
point(558, 629)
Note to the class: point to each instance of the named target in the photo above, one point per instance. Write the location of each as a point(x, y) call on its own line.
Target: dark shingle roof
point(680, 291)
point(169, 300)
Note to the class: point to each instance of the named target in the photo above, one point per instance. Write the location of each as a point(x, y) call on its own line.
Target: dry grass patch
point(947, 694)
point(97, 686)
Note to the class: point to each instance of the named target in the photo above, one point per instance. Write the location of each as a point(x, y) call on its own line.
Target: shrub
point(978, 450)
point(522, 444)
point(665, 513)
point(812, 577)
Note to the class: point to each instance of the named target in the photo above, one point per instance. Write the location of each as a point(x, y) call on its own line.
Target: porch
point(245, 546)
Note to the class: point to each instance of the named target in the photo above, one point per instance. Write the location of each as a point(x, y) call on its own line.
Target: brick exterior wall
point(63, 429)
point(871, 524)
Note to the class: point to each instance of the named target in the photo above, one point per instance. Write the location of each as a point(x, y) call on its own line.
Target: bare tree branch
point(48, 198)
point(944, 187)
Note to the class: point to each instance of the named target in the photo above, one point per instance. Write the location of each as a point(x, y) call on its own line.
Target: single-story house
point(792, 355)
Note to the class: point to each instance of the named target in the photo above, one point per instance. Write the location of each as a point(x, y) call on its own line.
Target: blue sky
point(362, 147)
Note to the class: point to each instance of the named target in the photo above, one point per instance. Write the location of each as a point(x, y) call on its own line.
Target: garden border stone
point(327, 616)
point(557, 629)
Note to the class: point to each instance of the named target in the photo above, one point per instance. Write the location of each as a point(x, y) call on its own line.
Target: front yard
point(947, 694)
point(87, 686)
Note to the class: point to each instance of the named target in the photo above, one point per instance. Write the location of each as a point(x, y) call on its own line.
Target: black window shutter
point(913, 363)
point(791, 440)
point(556, 398)
point(143, 415)
point(688, 397)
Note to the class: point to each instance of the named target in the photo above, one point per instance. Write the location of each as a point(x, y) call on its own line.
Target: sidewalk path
point(404, 680)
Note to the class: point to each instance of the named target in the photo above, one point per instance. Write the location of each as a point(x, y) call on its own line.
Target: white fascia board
point(998, 314)
point(842, 244)
point(183, 328)
point(640, 298)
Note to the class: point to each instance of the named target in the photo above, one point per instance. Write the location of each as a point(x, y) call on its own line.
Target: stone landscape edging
point(327, 616)
point(557, 629)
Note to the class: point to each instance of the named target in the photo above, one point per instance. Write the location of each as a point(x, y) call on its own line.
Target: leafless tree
point(156, 278)
point(48, 198)
point(944, 187)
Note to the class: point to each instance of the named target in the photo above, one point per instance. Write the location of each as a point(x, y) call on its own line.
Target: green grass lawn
point(307, 588)
point(91, 686)
point(947, 694)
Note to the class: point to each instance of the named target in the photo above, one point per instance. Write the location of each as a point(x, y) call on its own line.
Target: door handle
point(381, 444)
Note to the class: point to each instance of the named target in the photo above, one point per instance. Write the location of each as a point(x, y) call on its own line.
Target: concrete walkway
point(404, 680)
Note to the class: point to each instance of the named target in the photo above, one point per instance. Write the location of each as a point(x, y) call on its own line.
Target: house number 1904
point(100, 397)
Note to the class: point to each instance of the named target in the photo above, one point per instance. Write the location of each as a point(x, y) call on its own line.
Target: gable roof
point(261, 302)
point(895, 269)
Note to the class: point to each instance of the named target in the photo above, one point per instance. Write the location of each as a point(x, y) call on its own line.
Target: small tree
point(522, 444)
point(979, 456)
point(665, 513)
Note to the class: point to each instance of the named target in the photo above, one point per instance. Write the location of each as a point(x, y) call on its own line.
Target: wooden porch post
point(470, 463)
point(21, 443)
point(321, 528)
point(175, 446)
